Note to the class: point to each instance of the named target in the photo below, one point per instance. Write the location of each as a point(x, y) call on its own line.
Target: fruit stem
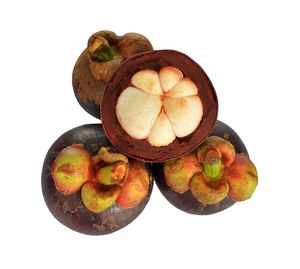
point(212, 166)
point(111, 157)
point(101, 50)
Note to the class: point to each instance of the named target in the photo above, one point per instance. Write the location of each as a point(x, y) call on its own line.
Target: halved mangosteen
point(185, 200)
point(158, 105)
point(104, 54)
point(93, 207)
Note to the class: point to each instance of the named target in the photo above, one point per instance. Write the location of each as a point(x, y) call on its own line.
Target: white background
point(249, 49)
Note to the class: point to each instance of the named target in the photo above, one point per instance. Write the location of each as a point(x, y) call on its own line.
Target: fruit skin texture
point(179, 172)
point(136, 186)
point(224, 149)
point(242, 178)
point(97, 199)
point(71, 169)
point(208, 192)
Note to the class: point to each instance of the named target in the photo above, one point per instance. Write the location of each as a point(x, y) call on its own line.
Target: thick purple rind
point(70, 210)
point(141, 149)
point(186, 201)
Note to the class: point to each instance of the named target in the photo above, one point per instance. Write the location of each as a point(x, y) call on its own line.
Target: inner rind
point(156, 84)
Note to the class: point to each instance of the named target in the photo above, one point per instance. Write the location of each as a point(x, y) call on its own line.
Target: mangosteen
point(91, 188)
point(188, 190)
point(104, 54)
point(158, 105)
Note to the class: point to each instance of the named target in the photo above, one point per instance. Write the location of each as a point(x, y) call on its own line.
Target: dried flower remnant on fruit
point(212, 173)
point(105, 52)
point(220, 163)
point(159, 106)
point(116, 179)
point(217, 147)
point(214, 155)
point(110, 167)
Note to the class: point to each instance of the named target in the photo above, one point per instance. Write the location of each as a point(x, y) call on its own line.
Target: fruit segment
point(161, 133)
point(185, 87)
point(169, 76)
point(137, 111)
point(160, 107)
point(184, 113)
point(148, 81)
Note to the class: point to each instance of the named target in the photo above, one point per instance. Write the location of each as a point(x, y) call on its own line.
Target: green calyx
point(101, 50)
point(212, 168)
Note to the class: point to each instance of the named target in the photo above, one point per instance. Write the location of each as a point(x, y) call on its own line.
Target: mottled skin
point(71, 169)
point(241, 176)
point(112, 174)
point(179, 172)
point(208, 192)
point(136, 186)
point(98, 198)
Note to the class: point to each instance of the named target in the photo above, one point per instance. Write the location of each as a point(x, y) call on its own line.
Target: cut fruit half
point(179, 76)
point(160, 106)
